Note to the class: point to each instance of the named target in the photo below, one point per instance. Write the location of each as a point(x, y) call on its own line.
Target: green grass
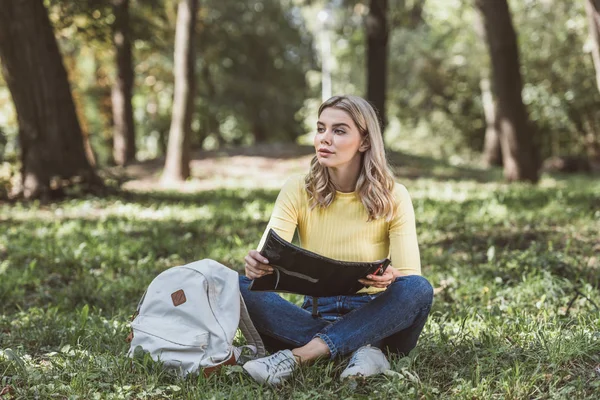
point(515, 312)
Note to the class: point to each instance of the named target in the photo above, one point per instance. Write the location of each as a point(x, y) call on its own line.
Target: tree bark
point(492, 151)
point(376, 27)
point(104, 104)
point(122, 90)
point(592, 8)
point(210, 122)
point(50, 137)
point(520, 158)
point(177, 165)
point(259, 132)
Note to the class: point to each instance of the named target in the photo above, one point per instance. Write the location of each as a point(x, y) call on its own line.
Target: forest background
point(445, 73)
point(136, 135)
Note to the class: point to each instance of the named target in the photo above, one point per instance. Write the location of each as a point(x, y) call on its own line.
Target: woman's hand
point(380, 281)
point(257, 265)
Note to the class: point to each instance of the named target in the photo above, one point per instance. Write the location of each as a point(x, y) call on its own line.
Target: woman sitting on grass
point(347, 208)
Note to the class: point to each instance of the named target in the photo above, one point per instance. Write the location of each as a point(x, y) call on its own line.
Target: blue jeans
point(392, 319)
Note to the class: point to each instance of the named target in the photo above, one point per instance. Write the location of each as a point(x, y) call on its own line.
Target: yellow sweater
point(341, 231)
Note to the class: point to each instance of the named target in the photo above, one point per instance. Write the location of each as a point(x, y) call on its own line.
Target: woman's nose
point(326, 137)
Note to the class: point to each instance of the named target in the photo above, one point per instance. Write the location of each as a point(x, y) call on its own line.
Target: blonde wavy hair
point(375, 181)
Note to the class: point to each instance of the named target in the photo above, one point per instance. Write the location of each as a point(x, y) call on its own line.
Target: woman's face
point(338, 140)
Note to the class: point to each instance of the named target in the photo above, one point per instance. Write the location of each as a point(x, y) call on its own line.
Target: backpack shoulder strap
point(249, 331)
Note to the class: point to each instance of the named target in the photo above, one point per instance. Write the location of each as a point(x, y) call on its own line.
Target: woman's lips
point(324, 152)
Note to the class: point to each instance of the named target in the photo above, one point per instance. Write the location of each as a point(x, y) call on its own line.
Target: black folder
point(296, 270)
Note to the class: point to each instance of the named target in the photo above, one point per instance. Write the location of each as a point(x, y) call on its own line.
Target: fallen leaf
point(6, 390)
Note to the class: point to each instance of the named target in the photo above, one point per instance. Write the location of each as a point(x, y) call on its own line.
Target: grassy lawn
point(516, 271)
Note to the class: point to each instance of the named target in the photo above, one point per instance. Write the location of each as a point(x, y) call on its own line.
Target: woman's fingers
point(251, 274)
point(378, 281)
point(377, 284)
point(256, 265)
point(254, 273)
point(257, 256)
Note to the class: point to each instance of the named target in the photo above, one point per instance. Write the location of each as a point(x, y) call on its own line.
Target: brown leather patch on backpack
point(211, 370)
point(178, 297)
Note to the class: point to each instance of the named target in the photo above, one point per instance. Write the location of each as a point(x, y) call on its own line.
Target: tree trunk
point(520, 157)
point(177, 165)
point(592, 8)
point(492, 151)
point(50, 135)
point(210, 122)
point(259, 132)
point(104, 104)
point(377, 54)
point(122, 90)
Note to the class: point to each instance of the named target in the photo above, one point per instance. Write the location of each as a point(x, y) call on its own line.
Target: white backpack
point(188, 318)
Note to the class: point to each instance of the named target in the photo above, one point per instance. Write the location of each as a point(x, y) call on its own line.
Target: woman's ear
point(365, 145)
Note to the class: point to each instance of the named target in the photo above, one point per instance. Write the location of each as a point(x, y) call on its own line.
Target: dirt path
point(266, 166)
point(269, 165)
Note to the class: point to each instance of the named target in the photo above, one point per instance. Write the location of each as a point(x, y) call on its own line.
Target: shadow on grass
point(415, 167)
point(404, 165)
point(221, 197)
point(284, 151)
point(538, 198)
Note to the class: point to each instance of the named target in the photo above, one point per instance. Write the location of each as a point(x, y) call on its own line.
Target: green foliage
point(438, 65)
point(89, 20)
point(436, 62)
point(437, 68)
point(252, 59)
point(255, 55)
point(515, 314)
point(558, 70)
point(434, 71)
point(257, 73)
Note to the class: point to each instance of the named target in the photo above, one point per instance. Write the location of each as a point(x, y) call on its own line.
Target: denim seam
point(332, 349)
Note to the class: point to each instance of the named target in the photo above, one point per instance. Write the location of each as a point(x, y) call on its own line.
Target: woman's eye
point(339, 131)
point(320, 130)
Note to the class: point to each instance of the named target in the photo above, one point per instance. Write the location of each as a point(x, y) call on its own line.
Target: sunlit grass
point(515, 267)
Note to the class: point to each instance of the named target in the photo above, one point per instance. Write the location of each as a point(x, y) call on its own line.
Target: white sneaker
point(366, 361)
point(273, 369)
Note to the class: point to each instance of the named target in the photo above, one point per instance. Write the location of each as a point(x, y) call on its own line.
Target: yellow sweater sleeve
point(404, 247)
point(284, 218)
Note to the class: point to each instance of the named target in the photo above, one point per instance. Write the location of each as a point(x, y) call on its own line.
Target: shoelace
point(358, 356)
point(281, 362)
